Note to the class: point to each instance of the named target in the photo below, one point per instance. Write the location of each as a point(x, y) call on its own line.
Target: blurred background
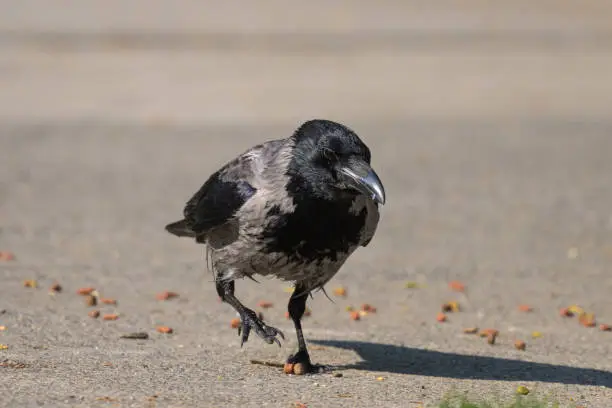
point(489, 122)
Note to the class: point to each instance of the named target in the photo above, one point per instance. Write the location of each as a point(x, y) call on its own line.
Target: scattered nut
point(3, 347)
point(288, 368)
point(166, 295)
point(441, 317)
point(340, 291)
point(575, 309)
point(349, 308)
point(299, 369)
point(456, 286)
point(108, 301)
point(565, 312)
point(235, 323)
point(265, 305)
point(355, 315)
point(85, 291)
point(94, 313)
point(368, 308)
point(110, 316)
point(491, 338)
point(337, 375)
point(2, 328)
point(411, 285)
point(30, 283)
point(91, 300)
point(536, 334)
point(380, 378)
point(56, 287)
point(487, 332)
point(605, 327)
point(587, 320)
point(164, 329)
point(471, 330)
point(7, 256)
point(522, 390)
point(450, 307)
point(520, 345)
point(525, 308)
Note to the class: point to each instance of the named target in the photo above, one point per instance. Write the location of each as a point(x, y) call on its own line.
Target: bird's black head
point(331, 161)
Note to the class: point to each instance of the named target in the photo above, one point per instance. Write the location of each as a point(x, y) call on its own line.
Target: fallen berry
point(456, 286)
point(525, 308)
point(166, 295)
point(30, 283)
point(441, 317)
point(235, 323)
point(520, 345)
point(6, 256)
point(111, 316)
point(108, 301)
point(265, 305)
point(164, 329)
point(340, 291)
point(355, 316)
point(471, 330)
point(565, 312)
point(363, 313)
point(605, 327)
point(85, 291)
point(94, 313)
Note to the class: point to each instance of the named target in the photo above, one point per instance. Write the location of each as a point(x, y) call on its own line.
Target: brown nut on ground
point(520, 345)
point(91, 300)
point(355, 315)
point(491, 337)
point(299, 369)
point(166, 295)
point(56, 287)
point(164, 329)
point(605, 327)
point(108, 301)
point(94, 314)
point(471, 330)
point(85, 291)
point(565, 312)
point(487, 332)
point(288, 368)
point(110, 316)
point(441, 317)
point(235, 323)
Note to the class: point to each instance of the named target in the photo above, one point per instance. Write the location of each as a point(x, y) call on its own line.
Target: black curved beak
point(359, 175)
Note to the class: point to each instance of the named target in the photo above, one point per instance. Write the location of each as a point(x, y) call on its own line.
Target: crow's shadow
point(403, 360)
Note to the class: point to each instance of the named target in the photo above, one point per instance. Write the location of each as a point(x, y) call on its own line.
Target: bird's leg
point(248, 318)
point(296, 307)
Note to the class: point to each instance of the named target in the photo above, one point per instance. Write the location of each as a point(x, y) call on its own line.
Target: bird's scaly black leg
point(249, 319)
point(296, 307)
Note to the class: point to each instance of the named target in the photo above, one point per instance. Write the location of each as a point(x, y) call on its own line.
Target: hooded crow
point(293, 208)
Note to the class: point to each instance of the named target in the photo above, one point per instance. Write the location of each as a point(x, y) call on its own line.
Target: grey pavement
point(489, 126)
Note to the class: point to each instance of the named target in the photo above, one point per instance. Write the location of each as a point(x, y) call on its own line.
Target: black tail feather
point(180, 229)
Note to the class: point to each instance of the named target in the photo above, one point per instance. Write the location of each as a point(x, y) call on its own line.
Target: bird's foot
point(249, 320)
point(302, 357)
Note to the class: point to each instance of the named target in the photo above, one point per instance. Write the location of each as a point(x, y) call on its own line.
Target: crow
point(293, 208)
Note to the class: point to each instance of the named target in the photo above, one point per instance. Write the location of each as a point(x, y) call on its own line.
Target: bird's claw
point(303, 358)
point(249, 320)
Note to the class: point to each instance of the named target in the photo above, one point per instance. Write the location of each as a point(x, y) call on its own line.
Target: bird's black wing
point(216, 201)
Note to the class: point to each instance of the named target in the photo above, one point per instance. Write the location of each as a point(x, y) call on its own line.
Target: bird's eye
point(330, 155)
